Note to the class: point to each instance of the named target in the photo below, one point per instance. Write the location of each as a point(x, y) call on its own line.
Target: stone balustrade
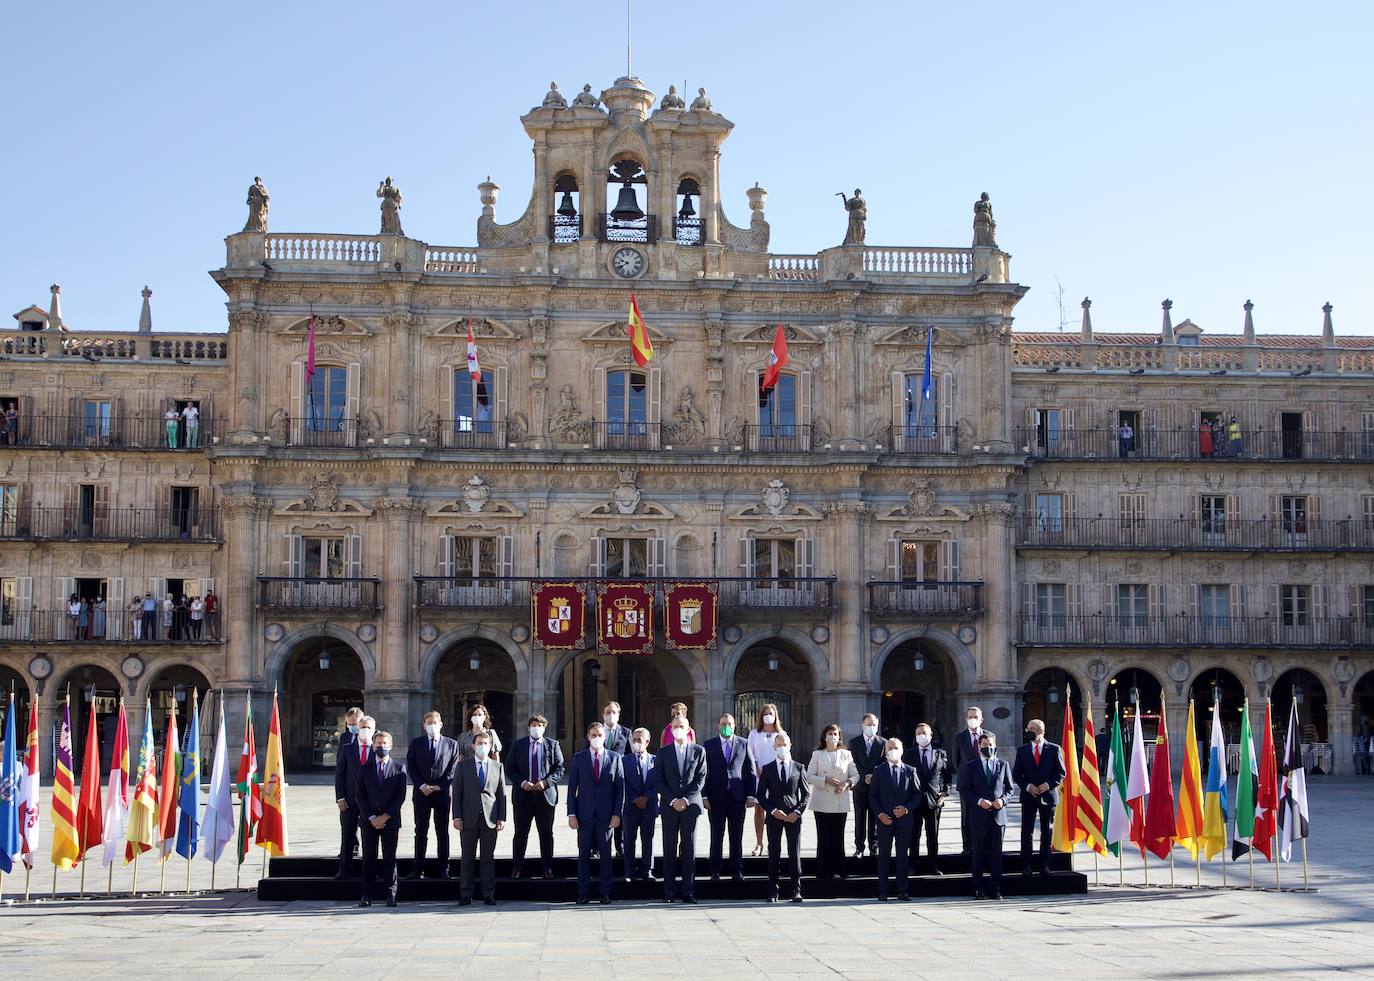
point(804, 268)
point(447, 259)
point(1072, 353)
point(918, 261)
point(314, 248)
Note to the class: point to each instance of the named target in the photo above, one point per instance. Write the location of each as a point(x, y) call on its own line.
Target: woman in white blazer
point(832, 775)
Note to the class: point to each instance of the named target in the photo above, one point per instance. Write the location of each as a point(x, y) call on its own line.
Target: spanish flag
point(1188, 821)
point(1089, 800)
point(272, 827)
point(640, 346)
point(1067, 833)
point(66, 852)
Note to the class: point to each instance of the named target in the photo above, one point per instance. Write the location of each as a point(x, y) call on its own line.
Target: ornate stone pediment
point(492, 508)
point(627, 499)
point(922, 503)
point(323, 498)
point(915, 334)
point(775, 502)
point(483, 328)
point(763, 334)
point(329, 325)
point(616, 332)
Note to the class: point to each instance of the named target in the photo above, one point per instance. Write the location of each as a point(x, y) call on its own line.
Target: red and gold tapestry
point(689, 615)
point(624, 618)
point(558, 609)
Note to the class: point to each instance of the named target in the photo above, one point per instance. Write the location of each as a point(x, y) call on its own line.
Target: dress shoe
point(341, 874)
point(882, 897)
point(391, 902)
point(772, 897)
point(1045, 871)
point(548, 873)
point(995, 895)
point(489, 901)
point(465, 901)
point(737, 878)
point(516, 873)
point(606, 900)
point(689, 900)
point(416, 874)
point(365, 902)
point(444, 873)
point(797, 897)
point(904, 897)
point(859, 853)
point(715, 877)
point(582, 900)
point(978, 894)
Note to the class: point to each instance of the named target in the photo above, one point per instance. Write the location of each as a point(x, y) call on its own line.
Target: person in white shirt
point(197, 616)
point(169, 419)
point(191, 416)
point(767, 727)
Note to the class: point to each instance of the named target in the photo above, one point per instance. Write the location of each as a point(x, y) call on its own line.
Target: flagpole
point(1304, 865)
point(54, 880)
point(1197, 862)
point(1097, 874)
point(213, 865)
point(162, 879)
point(133, 888)
point(27, 872)
point(1145, 864)
point(109, 883)
point(1251, 854)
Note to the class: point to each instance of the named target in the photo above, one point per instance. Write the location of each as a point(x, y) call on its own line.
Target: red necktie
point(1037, 755)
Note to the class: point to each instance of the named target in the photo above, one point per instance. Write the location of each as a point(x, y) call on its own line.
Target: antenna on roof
point(1059, 295)
point(628, 37)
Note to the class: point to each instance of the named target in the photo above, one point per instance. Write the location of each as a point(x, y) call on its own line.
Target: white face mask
point(679, 734)
point(598, 742)
point(783, 754)
point(922, 740)
point(870, 731)
point(365, 736)
point(536, 732)
point(638, 747)
point(478, 721)
point(481, 750)
point(433, 729)
point(610, 718)
point(973, 724)
point(768, 720)
point(894, 755)
point(832, 740)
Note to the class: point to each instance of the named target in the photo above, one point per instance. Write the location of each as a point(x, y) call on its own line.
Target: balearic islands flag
point(1188, 821)
point(1090, 782)
point(1293, 806)
point(66, 851)
point(641, 348)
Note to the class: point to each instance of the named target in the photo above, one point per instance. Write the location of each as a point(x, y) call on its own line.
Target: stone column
point(711, 198)
point(238, 596)
point(1340, 732)
point(847, 692)
point(847, 422)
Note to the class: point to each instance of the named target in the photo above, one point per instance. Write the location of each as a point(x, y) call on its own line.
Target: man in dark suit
point(867, 750)
point(617, 741)
point(479, 808)
point(896, 795)
point(730, 784)
point(596, 801)
point(784, 793)
point(429, 764)
point(966, 749)
point(641, 807)
point(679, 777)
point(533, 767)
point(1038, 771)
point(986, 784)
point(381, 792)
point(932, 771)
point(355, 745)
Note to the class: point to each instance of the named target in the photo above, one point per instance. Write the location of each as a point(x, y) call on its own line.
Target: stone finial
point(672, 100)
point(554, 99)
point(55, 308)
point(757, 197)
point(1328, 330)
point(702, 102)
point(1249, 323)
point(145, 316)
point(489, 191)
point(1166, 330)
point(1087, 320)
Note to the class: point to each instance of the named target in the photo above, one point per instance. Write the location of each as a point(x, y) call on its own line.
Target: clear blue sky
point(1206, 152)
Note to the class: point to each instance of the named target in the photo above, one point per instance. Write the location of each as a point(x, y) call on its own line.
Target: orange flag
point(640, 346)
point(272, 828)
point(90, 814)
point(167, 812)
point(1067, 833)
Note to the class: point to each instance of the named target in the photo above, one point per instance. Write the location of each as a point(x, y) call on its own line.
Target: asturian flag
point(474, 367)
point(1293, 794)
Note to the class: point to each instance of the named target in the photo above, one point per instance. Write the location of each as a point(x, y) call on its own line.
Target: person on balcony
point(169, 419)
point(149, 617)
point(197, 616)
point(1233, 434)
point(181, 619)
point(11, 419)
point(1126, 437)
point(135, 614)
point(98, 618)
point(1204, 439)
point(191, 418)
point(212, 614)
point(79, 615)
point(168, 617)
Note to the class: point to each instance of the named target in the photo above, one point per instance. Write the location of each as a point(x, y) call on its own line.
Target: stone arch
point(801, 644)
point(87, 659)
point(154, 667)
point(686, 659)
point(1029, 667)
point(280, 654)
point(434, 653)
point(686, 544)
point(965, 667)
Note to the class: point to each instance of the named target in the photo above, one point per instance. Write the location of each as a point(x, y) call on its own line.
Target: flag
point(1216, 806)
point(640, 346)
point(926, 415)
point(1114, 810)
point(66, 852)
point(310, 352)
point(89, 814)
point(1159, 813)
point(188, 800)
point(1247, 781)
point(11, 840)
point(1090, 788)
point(474, 367)
point(272, 827)
point(141, 834)
point(248, 784)
point(219, 807)
point(777, 360)
point(28, 800)
point(167, 793)
point(1293, 806)
point(1188, 821)
point(117, 793)
point(1267, 804)
point(1137, 785)
point(1067, 833)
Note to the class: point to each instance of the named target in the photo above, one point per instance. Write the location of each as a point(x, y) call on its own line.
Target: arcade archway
point(1138, 692)
point(321, 680)
point(12, 680)
point(771, 671)
point(90, 685)
point(1304, 687)
point(171, 690)
point(918, 682)
point(476, 671)
point(1044, 699)
point(645, 687)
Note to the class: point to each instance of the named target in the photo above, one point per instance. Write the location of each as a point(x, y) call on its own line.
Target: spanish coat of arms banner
point(624, 618)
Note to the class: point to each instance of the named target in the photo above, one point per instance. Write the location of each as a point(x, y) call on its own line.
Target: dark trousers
point(776, 830)
point(987, 856)
point(387, 839)
point(1029, 812)
point(927, 820)
point(679, 853)
point(150, 626)
point(593, 836)
point(829, 844)
point(865, 821)
point(348, 836)
point(477, 835)
point(537, 809)
point(638, 826)
point(727, 814)
point(437, 805)
point(896, 835)
point(965, 835)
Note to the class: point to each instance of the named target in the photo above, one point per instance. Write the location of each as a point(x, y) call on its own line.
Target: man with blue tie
point(596, 800)
point(896, 795)
point(429, 764)
point(641, 808)
point(730, 783)
point(355, 746)
point(679, 777)
point(986, 784)
point(534, 766)
point(479, 812)
point(381, 792)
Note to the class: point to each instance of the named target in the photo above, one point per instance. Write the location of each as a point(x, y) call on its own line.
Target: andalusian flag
point(1067, 833)
point(1216, 808)
point(1293, 816)
point(141, 835)
point(167, 793)
point(1188, 820)
point(1115, 813)
point(1247, 783)
point(1159, 815)
point(1267, 804)
point(90, 820)
point(188, 801)
point(66, 852)
point(117, 793)
point(248, 784)
point(272, 827)
point(11, 840)
point(640, 346)
point(29, 796)
point(1090, 787)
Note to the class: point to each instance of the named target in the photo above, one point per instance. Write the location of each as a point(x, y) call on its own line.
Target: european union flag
point(188, 800)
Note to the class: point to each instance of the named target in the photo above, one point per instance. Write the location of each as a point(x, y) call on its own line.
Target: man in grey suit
point(679, 776)
point(479, 801)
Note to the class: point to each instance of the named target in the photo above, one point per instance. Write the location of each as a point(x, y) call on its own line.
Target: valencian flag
point(1090, 787)
point(1137, 785)
point(188, 797)
point(167, 794)
point(66, 851)
point(90, 820)
point(248, 784)
point(141, 834)
point(624, 618)
point(117, 793)
point(1267, 804)
point(28, 800)
point(1188, 820)
point(11, 841)
point(558, 609)
point(272, 827)
point(640, 346)
point(689, 613)
point(777, 360)
point(1247, 783)
point(1293, 805)
point(474, 366)
point(1116, 815)
point(1216, 808)
point(1067, 833)
point(1159, 815)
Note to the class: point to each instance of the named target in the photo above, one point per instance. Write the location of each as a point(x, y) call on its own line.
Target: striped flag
point(1090, 786)
point(1067, 833)
point(272, 827)
point(167, 793)
point(248, 784)
point(141, 834)
point(66, 852)
point(117, 793)
point(1216, 809)
point(11, 841)
point(1293, 817)
point(29, 798)
point(90, 818)
point(640, 346)
point(1188, 820)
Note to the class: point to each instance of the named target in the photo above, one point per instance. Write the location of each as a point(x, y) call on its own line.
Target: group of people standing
point(182, 427)
point(174, 617)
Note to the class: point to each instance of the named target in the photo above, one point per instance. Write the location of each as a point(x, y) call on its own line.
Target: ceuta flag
point(640, 346)
point(167, 794)
point(1267, 804)
point(117, 793)
point(1137, 785)
point(1188, 820)
point(1159, 815)
point(1090, 787)
point(248, 785)
point(777, 360)
point(29, 796)
point(1067, 833)
point(141, 835)
point(90, 819)
point(272, 828)
point(474, 367)
point(66, 850)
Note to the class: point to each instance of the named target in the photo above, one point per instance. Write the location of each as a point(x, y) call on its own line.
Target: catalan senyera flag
point(777, 360)
point(272, 828)
point(90, 817)
point(248, 784)
point(1267, 804)
point(640, 346)
point(1215, 806)
point(1159, 813)
point(117, 793)
point(141, 834)
point(28, 801)
point(1067, 833)
point(66, 850)
point(167, 811)
point(1090, 787)
point(1188, 820)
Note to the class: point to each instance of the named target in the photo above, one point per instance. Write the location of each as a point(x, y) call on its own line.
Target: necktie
point(894, 776)
point(987, 768)
point(534, 761)
point(596, 766)
point(432, 753)
point(381, 771)
point(725, 744)
point(927, 758)
point(1037, 754)
point(362, 754)
point(482, 775)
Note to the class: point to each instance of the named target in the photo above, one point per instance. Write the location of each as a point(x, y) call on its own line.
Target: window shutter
point(598, 557)
point(1159, 595)
point(599, 399)
point(1070, 505)
point(66, 585)
point(353, 388)
point(806, 557)
point(804, 409)
point(74, 426)
point(945, 407)
point(446, 550)
point(1068, 421)
point(26, 421)
point(898, 412)
point(448, 381)
point(1276, 600)
point(658, 557)
point(1354, 602)
point(1237, 600)
point(102, 510)
point(24, 602)
point(505, 550)
point(158, 587)
point(353, 556)
point(298, 407)
point(294, 556)
point(1113, 596)
point(1076, 599)
point(117, 423)
point(894, 559)
point(1314, 512)
point(1274, 511)
point(1318, 601)
point(1028, 599)
point(114, 609)
point(655, 407)
point(501, 379)
point(949, 561)
point(746, 556)
point(1028, 443)
point(1194, 601)
point(207, 586)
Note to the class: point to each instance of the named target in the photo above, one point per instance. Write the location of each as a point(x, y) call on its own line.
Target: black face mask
point(988, 752)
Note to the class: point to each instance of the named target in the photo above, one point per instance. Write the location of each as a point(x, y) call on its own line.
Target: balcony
point(438, 593)
point(564, 229)
point(119, 347)
point(91, 524)
point(455, 593)
point(687, 231)
point(472, 434)
point(923, 439)
point(1198, 534)
point(1101, 630)
point(626, 435)
point(281, 594)
point(778, 438)
point(1187, 444)
point(107, 432)
point(58, 627)
point(319, 431)
point(778, 593)
point(925, 599)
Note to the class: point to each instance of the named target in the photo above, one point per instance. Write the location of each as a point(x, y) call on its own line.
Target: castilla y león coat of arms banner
point(624, 618)
point(558, 612)
point(689, 615)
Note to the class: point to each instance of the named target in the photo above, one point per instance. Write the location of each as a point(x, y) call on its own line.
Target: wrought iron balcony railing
point(923, 439)
point(102, 430)
point(778, 438)
point(513, 592)
point(1199, 534)
point(91, 524)
point(622, 435)
point(305, 593)
point(1192, 444)
point(1126, 630)
point(926, 598)
point(112, 626)
point(612, 229)
point(472, 434)
point(322, 430)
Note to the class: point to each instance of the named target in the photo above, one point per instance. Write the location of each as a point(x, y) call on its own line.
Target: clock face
point(627, 263)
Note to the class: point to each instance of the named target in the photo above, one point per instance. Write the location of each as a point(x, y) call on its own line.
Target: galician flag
point(1067, 833)
point(117, 793)
point(1137, 785)
point(1090, 786)
point(777, 360)
point(66, 851)
point(1159, 814)
point(640, 346)
point(1216, 806)
point(1267, 803)
point(1293, 804)
point(28, 800)
point(11, 840)
point(1247, 783)
point(141, 834)
point(1114, 810)
point(1188, 820)
point(188, 798)
point(248, 784)
point(474, 366)
point(167, 794)
point(219, 808)
point(272, 827)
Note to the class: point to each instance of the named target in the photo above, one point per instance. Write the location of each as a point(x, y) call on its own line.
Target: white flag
point(218, 827)
point(1293, 816)
point(1138, 781)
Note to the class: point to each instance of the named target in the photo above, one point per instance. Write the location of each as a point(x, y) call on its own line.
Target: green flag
point(1116, 816)
point(1247, 781)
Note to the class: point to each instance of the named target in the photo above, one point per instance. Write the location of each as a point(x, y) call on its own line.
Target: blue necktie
point(482, 775)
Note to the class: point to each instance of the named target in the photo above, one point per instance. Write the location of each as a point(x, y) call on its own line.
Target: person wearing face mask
point(767, 727)
point(479, 812)
point(966, 750)
point(730, 783)
point(677, 711)
point(679, 778)
point(867, 750)
point(534, 766)
point(932, 771)
point(381, 792)
point(986, 784)
point(355, 745)
point(784, 792)
point(896, 795)
point(479, 721)
point(832, 775)
point(429, 764)
point(1038, 771)
point(596, 801)
point(641, 808)
point(617, 741)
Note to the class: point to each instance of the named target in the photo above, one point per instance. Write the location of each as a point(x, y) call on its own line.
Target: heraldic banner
point(557, 614)
point(624, 618)
point(689, 614)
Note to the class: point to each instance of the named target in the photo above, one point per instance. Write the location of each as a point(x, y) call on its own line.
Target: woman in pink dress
point(677, 711)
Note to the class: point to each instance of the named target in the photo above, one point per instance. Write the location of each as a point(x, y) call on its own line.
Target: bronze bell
point(686, 211)
point(627, 206)
point(567, 209)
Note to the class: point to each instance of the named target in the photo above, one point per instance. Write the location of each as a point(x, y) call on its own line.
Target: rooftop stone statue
point(391, 207)
point(672, 100)
point(701, 103)
point(584, 98)
point(555, 100)
point(258, 200)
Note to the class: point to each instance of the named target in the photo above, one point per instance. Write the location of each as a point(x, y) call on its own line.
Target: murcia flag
point(777, 360)
point(474, 367)
point(640, 345)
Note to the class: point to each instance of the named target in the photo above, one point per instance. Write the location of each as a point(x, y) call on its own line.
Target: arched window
point(779, 428)
point(565, 221)
point(687, 221)
point(328, 406)
point(625, 220)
